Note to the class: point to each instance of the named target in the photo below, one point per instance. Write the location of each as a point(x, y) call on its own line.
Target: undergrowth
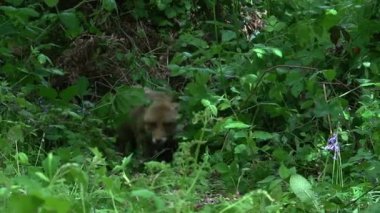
point(279, 105)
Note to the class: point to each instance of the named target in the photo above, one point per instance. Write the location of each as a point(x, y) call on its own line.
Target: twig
point(362, 195)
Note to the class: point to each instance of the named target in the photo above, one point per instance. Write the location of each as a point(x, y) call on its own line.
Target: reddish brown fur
point(150, 130)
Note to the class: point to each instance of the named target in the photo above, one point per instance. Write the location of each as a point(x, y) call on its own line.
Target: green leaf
point(331, 12)
point(259, 52)
point(175, 69)
point(344, 135)
point(307, 104)
point(21, 14)
point(109, 5)
point(69, 93)
point(48, 92)
point(373, 208)
point(241, 148)
point(277, 52)
point(28, 12)
point(230, 124)
point(170, 12)
point(210, 106)
point(24, 203)
point(127, 160)
point(367, 64)
point(15, 134)
point(82, 84)
point(329, 74)
point(51, 3)
point(122, 99)
point(284, 172)
point(163, 4)
point(57, 204)
point(124, 163)
point(249, 80)
point(321, 108)
point(304, 33)
point(228, 35)
point(77, 174)
point(15, 2)
point(42, 176)
point(50, 165)
point(71, 23)
point(294, 78)
point(262, 135)
point(301, 188)
point(189, 39)
point(222, 168)
point(97, 154)
point(368, 84)
point(43, 59)
point(144, 193)
point(280, 154)
point(297, 88)
point(22, 158)
point(271, 23)
point(55, 71)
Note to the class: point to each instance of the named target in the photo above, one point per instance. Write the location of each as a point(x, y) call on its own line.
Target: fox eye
point(169, 125)
point(151, 125)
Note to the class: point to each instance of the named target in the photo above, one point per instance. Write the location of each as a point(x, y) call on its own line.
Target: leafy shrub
point(279, 105)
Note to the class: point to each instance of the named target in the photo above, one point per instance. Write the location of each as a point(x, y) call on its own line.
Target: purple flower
point(333, 145)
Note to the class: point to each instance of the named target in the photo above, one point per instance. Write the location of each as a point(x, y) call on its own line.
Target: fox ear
point(175, 106)
point(149, 92)
point(157, 96)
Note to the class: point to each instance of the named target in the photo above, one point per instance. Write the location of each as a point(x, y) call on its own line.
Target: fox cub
point(149, 130)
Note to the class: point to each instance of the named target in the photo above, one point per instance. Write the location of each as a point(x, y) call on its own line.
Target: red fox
point(150, 130)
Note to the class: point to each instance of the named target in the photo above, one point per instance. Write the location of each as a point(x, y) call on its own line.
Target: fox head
point(160, 118)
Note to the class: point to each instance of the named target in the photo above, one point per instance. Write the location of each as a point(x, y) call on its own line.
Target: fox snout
point(159, 140)
point(159, 135)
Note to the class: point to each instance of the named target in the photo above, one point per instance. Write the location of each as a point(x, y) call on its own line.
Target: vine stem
point(328, 116)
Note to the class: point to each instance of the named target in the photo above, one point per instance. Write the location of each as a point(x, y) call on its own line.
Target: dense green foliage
point(280, 104)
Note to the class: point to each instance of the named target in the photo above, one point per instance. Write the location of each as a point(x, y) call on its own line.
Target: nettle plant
point(280, 104)
point(290, 114)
